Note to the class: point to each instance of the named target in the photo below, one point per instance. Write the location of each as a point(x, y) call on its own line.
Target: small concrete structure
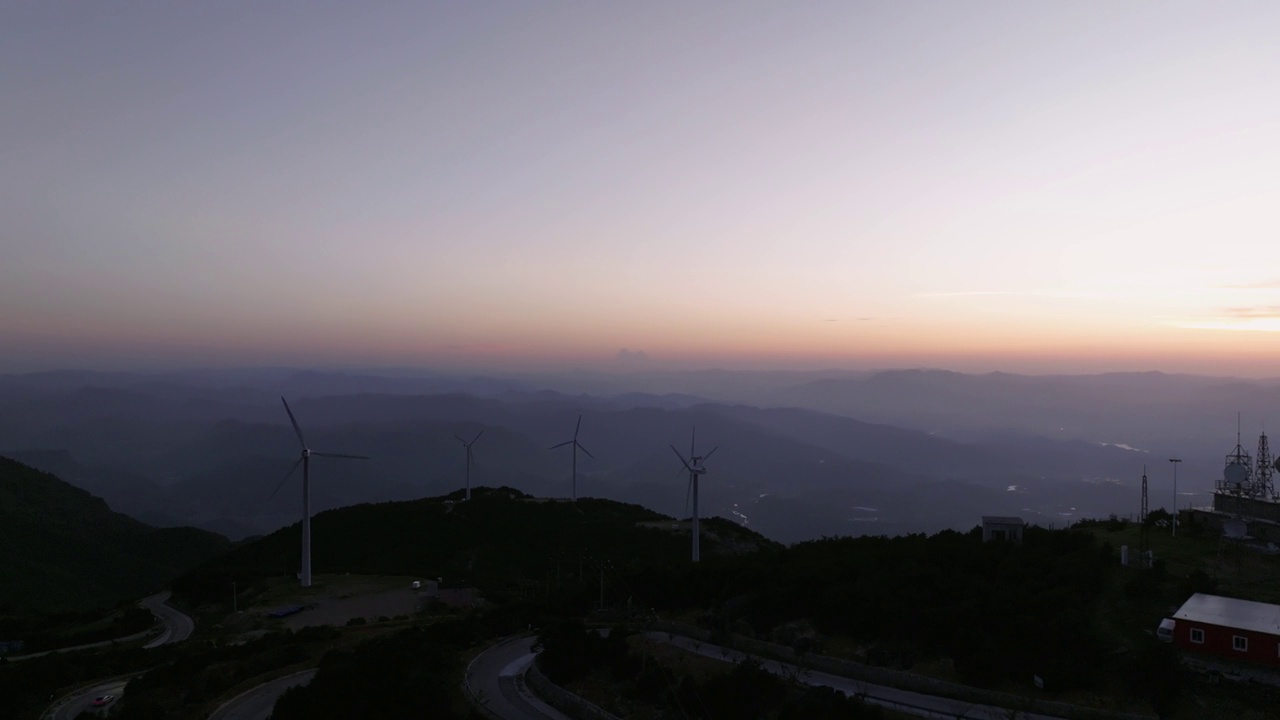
point(995, 527)
point(1261, 518)
point(429, 591)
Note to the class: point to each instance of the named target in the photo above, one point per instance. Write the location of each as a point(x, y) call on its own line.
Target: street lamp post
point(1175, 462)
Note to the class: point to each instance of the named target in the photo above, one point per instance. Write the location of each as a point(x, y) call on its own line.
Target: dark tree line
point(413, 673)
point(571, 652)
point(501, 542)
point(1000, 611)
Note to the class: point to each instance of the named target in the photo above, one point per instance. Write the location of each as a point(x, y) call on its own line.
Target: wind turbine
point(695, 467)
point(468, 445)
point(576, 447)
point(305, 462)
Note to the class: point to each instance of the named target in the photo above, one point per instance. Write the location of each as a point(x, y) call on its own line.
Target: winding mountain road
point(178, 626)
point(257, 703)
point(903, 701)
point(70, 706)
point(496, 677)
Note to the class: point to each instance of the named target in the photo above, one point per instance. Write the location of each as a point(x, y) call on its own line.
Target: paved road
point(81, 700)
point(497, 676)
point(87, 646)
point(903, 701)
point(257, 704)
point(178, 626)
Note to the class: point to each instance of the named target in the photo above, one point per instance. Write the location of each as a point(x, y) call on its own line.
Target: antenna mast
point(1143, 516)
point(1237, 476)
point(1262, 486)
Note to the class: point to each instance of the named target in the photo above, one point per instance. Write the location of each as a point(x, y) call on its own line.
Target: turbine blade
point(464, 442)
point(575, 442)
point(713, 452)
point(288, 475)
point(566, 442)
point(577, 427)
point(682, 460)
point(295, 423)
point(477, 437)
point(693, 437)
point(340, 455)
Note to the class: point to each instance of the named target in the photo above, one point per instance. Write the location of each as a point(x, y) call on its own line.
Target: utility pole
point(1145, 544)
point(1175, 462)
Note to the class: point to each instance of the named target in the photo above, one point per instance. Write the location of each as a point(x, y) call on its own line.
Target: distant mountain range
point(802, 454)
point(64, 549)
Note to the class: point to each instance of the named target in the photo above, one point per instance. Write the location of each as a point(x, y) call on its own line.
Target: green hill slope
point(64, 549)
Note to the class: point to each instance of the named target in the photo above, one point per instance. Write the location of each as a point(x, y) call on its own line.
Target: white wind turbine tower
point(695, 467)
point(305, 462)
point(468, 445)
point(576, 447)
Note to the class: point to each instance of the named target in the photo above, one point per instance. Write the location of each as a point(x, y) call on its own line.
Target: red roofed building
point(1229, 628)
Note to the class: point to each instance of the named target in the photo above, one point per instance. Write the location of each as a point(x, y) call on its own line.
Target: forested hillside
point(504, 542)
point(64, 549)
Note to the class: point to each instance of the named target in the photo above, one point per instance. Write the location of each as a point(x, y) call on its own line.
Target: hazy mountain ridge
point(209, 453)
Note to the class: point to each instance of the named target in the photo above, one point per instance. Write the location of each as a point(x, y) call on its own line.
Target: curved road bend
point(178, 626)
point(257, 703)
point(81, 700)
point(497, 675)
point(903, 701)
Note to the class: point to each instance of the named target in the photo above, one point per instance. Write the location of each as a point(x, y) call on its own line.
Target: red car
point(103, 700)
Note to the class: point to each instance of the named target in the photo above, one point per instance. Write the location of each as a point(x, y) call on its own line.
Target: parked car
point(103, 700)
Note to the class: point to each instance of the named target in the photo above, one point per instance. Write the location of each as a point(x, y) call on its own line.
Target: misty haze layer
point(801, 455)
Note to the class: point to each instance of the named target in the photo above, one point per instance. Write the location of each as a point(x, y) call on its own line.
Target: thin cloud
point(1069, 294)
point(1253, 313)
point(626, 355)
point(1258, 318)
point(974, 293)
point(1256, 325)
point(1260, 285)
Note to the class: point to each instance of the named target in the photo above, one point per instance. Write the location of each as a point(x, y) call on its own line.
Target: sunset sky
point(1034, 187)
